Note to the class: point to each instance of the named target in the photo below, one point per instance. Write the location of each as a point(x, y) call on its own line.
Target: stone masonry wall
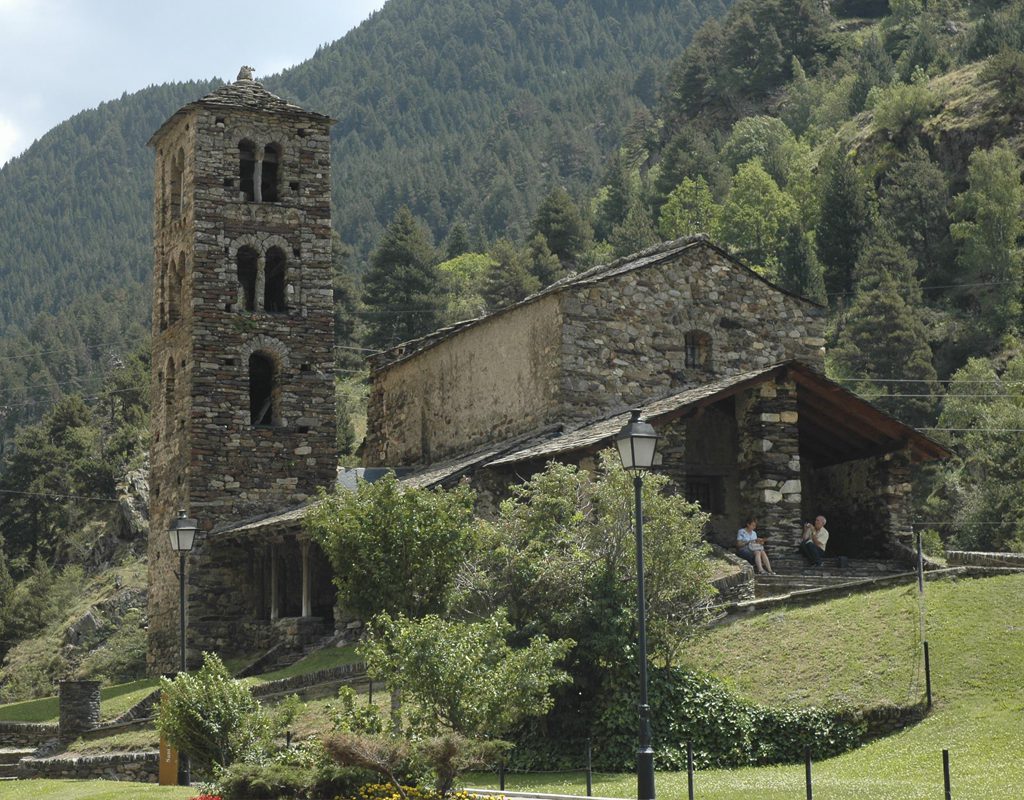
point(208, 457)
point(138, 767)
point(623, 338)
point(79, 707)
point(591, 347)
point(769, 460)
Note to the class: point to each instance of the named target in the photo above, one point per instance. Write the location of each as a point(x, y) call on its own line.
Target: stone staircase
point(795, 575)
point(9, 758)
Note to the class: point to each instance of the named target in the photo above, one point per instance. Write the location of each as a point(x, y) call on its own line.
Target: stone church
point(727, 367)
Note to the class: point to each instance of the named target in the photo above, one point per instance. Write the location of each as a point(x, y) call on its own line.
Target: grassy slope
point(90, 790)
point(114, 700)
point(864, 648)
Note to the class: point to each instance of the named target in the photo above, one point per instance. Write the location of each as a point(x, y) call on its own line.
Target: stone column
point(769, 459)
point(79, 707)
point(307, 604)
point(257, 178)
point(275, 600)
point(259, 301)
point(895, 496)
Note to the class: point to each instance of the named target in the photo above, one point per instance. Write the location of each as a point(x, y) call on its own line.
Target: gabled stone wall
point(624, 337)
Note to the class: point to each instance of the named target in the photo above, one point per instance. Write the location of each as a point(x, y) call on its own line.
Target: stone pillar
point(769, 459)
point(257, 178)
point(895, 500)
point(79, 707)
point(307, 600)
point(275, 599)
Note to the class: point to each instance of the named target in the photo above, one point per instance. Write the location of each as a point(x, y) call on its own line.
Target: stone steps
point(9, 758)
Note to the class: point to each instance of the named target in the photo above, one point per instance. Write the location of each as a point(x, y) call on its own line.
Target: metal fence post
point(689, 768)
point(590, 771)
point(945, 774)
point(807, 770)
point(501, 775)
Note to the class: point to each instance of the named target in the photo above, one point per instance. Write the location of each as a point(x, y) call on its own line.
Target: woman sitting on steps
point(750, 547)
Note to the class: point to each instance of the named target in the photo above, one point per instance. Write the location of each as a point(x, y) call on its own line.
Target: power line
point(53, 496)
point(70, 349)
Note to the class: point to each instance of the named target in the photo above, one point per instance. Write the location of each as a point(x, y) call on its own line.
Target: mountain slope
point(457, 108)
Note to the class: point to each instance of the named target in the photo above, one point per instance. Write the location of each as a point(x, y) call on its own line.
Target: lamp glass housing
point(182, 533)
point(637, 443)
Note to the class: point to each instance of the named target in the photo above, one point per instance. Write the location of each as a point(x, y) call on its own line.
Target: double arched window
point(262, 279)
point(259, 171)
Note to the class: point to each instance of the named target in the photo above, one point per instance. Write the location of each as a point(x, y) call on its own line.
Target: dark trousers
point(813, 552)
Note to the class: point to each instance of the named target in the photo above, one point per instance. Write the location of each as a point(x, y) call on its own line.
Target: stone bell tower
point(243, 419)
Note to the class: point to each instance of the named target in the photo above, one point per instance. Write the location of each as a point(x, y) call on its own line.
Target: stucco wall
point(493, 381)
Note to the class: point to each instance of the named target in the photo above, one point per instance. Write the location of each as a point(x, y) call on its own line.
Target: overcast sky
point(60, 57)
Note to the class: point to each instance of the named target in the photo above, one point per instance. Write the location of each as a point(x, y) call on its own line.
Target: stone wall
point(79, 707)
point(768, 459)
point(966, 558)
point(138, 767)
point(866, 503)
point(623, 340)
point(207, 455)
point(588, 347)
point(495, 380)
point(26, 734)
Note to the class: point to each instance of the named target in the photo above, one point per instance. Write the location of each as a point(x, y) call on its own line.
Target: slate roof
point(835, 424)
point(242, 95)
point(659, 253)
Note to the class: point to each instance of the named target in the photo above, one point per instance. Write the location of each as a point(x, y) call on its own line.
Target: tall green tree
point(880, 346)
point(508, 278)
point(756, 217)
point(987, 232)
point(844, 221)
point(689, 210)
point(567, 232)
point(403, 296)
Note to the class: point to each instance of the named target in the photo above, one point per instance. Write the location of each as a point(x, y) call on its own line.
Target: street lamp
point(637, 443)
point(183, 536)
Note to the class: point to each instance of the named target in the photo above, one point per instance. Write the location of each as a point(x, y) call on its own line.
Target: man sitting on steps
point(815, 541)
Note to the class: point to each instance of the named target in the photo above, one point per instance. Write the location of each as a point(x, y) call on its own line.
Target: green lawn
point(114, 700)
point(865, 649)
point(314, 662)
point(90, 790)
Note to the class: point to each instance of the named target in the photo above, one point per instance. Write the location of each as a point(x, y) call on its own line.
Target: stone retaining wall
point(966, 558)
point(140, 767)
point(886, 720)
point(26, 734)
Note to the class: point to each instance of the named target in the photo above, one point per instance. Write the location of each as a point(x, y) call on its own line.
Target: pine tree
point(458, 242)
point(799, 269)
point(563, 227)
point(635, 232)
point(544, 265)
point(915, 200)
point(689, 210)
point(988, 232)
point(884, 339)
point(508, 280)
point(844, 221)
point(403, 295)
point(881, 257)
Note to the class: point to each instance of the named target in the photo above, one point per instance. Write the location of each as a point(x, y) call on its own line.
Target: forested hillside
point(461, 110)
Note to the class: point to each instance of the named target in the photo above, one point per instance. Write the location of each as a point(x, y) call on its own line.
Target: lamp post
point(183, 536)
point(637, 443)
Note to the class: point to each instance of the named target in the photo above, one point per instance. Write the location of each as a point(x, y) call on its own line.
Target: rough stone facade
point(138, 767)
point(79, 707)
point(242, 383)
point(670, 319)
point(768, 460)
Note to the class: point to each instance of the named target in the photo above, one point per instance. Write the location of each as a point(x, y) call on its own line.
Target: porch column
point(307, 605)
point(275, 599)
point(769, 458)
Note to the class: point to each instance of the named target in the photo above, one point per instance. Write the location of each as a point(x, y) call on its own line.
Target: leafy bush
point(932, 544)
point(686, 707)
point(900, 107)
point(1005, 70)
point(213, 717)
point(244, 781)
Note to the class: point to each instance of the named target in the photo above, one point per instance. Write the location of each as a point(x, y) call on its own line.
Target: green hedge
point(685, 707)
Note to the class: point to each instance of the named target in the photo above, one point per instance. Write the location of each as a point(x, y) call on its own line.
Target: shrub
point(270, 781)
point(213, 717)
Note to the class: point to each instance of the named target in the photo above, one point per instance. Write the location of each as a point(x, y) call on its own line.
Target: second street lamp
point(183, 535)
point(637, 443)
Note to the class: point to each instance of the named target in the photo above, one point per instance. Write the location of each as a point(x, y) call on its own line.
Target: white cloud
point(10, 137)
